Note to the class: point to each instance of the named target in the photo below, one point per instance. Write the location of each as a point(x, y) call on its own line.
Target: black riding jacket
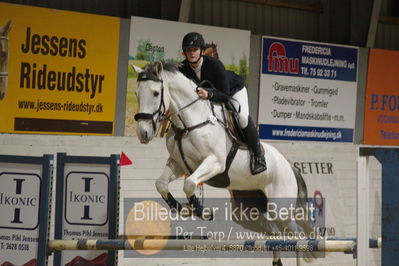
point(227, 83)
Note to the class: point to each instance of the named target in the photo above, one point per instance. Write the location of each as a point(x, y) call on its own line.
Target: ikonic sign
point(19, 220)
point(87, 205)
point(19, 201)
point(86, 198)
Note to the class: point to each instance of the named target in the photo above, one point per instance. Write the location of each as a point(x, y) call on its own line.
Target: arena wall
point(330, 169)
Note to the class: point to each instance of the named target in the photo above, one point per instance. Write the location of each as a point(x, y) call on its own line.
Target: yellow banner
point(58, 71)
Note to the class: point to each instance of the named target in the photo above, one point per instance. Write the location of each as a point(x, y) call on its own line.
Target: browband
point(148, 76)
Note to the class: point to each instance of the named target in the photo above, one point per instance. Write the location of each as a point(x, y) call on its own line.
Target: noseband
point(161, 108)
point(4, 74)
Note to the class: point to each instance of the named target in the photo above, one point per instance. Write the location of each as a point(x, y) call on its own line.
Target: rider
point(228, 85)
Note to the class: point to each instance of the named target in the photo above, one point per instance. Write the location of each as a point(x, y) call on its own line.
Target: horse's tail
point(306, 224)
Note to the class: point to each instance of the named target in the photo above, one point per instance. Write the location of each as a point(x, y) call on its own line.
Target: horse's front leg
point(170, 173)
point(209, 167)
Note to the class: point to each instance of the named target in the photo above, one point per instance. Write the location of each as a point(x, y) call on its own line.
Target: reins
point(191, 103)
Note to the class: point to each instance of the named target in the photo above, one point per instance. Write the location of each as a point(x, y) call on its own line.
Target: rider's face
point(192, 54)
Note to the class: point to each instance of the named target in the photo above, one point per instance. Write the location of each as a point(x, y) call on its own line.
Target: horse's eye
point(156, 93)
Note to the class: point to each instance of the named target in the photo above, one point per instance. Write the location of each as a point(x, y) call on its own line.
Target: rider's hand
point(203, 94)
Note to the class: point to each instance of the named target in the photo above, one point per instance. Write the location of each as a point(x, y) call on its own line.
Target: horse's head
point(211, 50)
point(153, 100)
point(4, 30)
point(4, 58)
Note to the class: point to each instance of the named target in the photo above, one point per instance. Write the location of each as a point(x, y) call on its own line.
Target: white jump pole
point(363, 180)
point(336, 245)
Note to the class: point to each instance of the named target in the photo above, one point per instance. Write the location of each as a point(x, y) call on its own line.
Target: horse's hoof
point(277, 263)
point(186, 210)
point(207, 214)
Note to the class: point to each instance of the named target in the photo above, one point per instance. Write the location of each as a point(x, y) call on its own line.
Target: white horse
point(199, 145)
point(4, 59)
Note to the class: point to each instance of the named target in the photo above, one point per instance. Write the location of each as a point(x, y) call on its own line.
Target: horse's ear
point(7, 28)
point(158, 67)
point(137, 69)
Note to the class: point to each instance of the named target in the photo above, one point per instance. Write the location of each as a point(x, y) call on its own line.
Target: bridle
point(160, 114)
point(161, 108)
point(4, 74)
point(161, 111)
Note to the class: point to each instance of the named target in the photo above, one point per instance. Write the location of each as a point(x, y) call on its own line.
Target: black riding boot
point(258, 162)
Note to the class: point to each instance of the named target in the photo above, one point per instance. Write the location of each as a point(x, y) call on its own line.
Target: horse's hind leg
point(170, 173)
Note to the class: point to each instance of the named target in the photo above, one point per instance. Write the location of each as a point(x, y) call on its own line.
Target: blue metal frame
point(45, 197)
point(389, 159)
point(113, 200)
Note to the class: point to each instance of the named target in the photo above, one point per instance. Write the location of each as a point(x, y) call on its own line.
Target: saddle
point(232, 125)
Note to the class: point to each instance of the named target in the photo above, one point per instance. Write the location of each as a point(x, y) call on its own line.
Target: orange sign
point(381, 119)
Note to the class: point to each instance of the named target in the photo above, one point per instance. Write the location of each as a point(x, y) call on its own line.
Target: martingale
point(32, 77)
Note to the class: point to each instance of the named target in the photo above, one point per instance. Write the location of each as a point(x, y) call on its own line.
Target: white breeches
point(240, 103)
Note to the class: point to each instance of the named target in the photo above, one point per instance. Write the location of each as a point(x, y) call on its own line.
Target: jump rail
point(329, 245)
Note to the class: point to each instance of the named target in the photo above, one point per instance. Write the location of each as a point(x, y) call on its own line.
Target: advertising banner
point(240, 229)
point(381, 115)
point(58, 75)
point(87, 206)
point(24, 206)
point(153, 40)
point(307, 91)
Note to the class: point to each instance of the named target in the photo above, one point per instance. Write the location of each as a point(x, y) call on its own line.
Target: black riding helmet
point(193, 39)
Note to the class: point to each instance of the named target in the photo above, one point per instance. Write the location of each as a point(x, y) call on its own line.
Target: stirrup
point(258, 164)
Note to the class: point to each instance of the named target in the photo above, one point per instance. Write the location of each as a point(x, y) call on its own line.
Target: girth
point(222, 180)
point(179, 133)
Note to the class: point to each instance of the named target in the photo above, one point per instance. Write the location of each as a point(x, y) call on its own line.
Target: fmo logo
point(86, 198)
point(279, 62)
point(19, 200)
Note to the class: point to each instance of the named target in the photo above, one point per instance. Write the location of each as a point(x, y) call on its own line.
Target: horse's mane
point(169, 66)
